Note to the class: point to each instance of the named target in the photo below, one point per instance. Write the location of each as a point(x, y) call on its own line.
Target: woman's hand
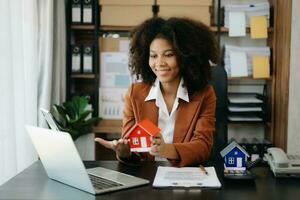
point(158, 144)
point(121, 146)
point(160, 148)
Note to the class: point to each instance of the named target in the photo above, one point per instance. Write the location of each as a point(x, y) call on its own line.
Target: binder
point(76, 59)
point(87, 12)
point(76, 11)
point(88, 58)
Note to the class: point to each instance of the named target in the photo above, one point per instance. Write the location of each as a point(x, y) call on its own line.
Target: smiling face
point(163, 61)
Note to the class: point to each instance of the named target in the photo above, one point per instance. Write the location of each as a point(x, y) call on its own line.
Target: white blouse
point(166, 121)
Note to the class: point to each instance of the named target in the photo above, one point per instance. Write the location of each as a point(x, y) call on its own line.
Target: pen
point(203, 169)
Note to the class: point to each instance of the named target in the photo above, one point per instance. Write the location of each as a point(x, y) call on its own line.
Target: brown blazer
point(194, 124)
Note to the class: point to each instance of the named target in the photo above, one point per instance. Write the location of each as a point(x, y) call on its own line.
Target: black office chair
point(219, 82)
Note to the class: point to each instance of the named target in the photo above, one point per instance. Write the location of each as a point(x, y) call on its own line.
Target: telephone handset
point(278, 156)
point(282, 164)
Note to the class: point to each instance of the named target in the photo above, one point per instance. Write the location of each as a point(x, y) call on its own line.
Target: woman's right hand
point(120, 146)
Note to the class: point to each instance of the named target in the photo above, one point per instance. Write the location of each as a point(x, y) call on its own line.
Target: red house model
point(140, 135)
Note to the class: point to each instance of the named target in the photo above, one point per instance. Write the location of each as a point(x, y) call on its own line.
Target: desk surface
point(33, 183)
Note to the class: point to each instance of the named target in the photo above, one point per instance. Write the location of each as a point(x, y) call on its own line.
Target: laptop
point(49, 119)
point(62, 163)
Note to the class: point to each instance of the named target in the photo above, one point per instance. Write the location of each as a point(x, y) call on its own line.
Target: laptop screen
point(49, 119)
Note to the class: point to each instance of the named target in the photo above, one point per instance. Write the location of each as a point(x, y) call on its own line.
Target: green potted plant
point(74, 117)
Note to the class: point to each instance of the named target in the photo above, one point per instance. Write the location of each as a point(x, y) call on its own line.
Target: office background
point(32, 75)
point(294, 94)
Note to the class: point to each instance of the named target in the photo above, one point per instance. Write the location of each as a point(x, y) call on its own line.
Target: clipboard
point(186, 177)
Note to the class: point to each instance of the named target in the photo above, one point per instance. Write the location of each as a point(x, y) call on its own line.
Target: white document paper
point(250, 8)
point(124, 45)
point(237, 24)
point(111, 110)
point(186, 177)
point(243, 98)
point(111, 102)
point(114, 70)
point(244, 109)
point(238, 64)
point(244, 118)
point(249, 51)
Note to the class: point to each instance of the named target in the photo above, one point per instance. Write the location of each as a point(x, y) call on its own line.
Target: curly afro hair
point(194, 44)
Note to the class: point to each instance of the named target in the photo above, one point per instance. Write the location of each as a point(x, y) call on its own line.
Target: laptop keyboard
point(101, 183)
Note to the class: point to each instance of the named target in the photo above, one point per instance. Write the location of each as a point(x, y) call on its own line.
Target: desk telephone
point(281, 164)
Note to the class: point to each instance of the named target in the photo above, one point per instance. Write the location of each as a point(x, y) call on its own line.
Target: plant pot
point(85, 145)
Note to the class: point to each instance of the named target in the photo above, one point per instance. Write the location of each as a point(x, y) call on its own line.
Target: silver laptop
point(49, 119)
point(62, 163)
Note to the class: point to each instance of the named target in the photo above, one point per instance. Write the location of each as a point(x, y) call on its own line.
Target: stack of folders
point(82, 12)
point(239, 61)
point(252, 8)
point(246, 107)
point(82, 60)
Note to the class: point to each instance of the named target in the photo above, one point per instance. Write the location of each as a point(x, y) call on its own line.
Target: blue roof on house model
point(233, 144)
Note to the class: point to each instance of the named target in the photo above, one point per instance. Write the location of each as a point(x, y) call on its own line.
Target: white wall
point(293, 143)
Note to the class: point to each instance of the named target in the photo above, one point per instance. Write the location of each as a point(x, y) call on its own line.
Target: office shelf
point(226, 30)
point(82, 27)
point(84, 76)
point(248, 124)
point(248, 78)
point(276, 84)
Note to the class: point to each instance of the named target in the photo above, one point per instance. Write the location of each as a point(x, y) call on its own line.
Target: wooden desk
point(34, 184)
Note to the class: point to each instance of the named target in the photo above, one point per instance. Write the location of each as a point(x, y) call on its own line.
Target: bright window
point(135, 141)
point(230, 160)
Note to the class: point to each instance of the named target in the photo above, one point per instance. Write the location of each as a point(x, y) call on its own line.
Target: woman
point(172, 57)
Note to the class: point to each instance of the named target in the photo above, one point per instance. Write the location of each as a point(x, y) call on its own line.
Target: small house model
point(140, 136)
point(235, 157)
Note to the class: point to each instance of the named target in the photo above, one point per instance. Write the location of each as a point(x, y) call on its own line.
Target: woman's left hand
point(158, 145)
